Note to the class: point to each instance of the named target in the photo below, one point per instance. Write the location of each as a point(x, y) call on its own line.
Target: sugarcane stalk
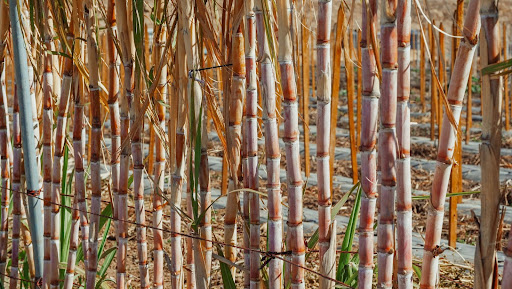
point(48, 90)
point(16, 188)
point(434, 119)
point(387, 145)
point(323, 74)
point(292, 148)
point(485, 252)
point(506, 282)
point(113, 104)
point(250, 149)
point(359, 90)
point(348, 47)
point(306, 61)
point(335, 89)
point(4, 153)
point(506, 97)
point(73, 246)
point(28, 140)
point(469, 107)
point(179, 173)
point(455, 97)
point(369, 111)
point(124, 16)
point(441, 77)
point(160, 35)
point(422, 77)
point(60, 134)
point(95, 141)
point(403, 161)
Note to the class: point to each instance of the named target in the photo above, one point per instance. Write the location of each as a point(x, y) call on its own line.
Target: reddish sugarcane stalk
point(250, 146)
point(387, 145)
point(403, 162)
point(292, 149)
point(323, 74)
point(73, 246)
point(124, 16)
point(490, 149)
point(272, 153)
point(506, 97)
point(16, 188)
point(458, 82)
point(359, 90)
point(369, 111)
point(159, 165)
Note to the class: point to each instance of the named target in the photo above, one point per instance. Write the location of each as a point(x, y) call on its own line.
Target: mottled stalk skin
point(95, 142)
point(490, 49)
point(4, 171)
point(369, 111)
point(403, 161)
point(456, 91)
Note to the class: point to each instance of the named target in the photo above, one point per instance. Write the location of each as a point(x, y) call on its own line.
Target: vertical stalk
point(251, 200)
point(16, 189)
point(505, 81)
point(323, 74)
point(403, 161)
point(441, 70)
point(485, 252)
point(95, 141)
point(433, 86)
point(113, 104)
point(60, 134)
point(348, 47)
point(506, 283)
point(48, 91)
point(292, 149)
point(4, 145)
point(27, 134)
point(469, 107)
point(387, 145)
point(124, 13)
point(447, 139)
point(369, 111)
point(359, 89)
point(422, 77)
point(160, 36)
point(306, 61)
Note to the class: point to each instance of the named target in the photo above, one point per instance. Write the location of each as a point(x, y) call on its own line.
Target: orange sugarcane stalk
point(323, 73)
point(422, 77)
point(369, 111)
point(124, 16)
point(403, 161)
point(160, 36)
point(292, 148)
point(455, 97)
point(306, 61)
point(434, 103)
point(250, 142)
point(348, 47)
point(95, 141)
point(490, 149)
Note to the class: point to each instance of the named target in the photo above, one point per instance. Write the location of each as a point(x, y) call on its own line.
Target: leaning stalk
point(28, 140)
point(369, 111)
point(455, 97)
